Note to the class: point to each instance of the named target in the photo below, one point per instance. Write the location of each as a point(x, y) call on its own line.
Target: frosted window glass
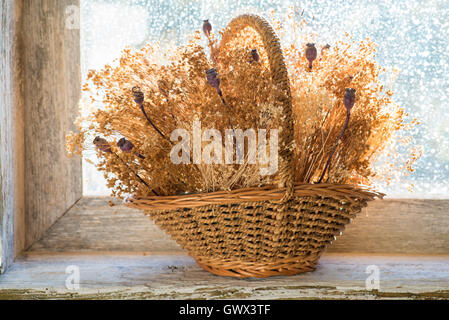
point(412, 36)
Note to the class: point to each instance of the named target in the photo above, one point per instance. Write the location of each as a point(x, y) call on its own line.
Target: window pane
point(412, 37)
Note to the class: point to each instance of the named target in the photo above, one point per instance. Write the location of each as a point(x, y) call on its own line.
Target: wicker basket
point(260, 232)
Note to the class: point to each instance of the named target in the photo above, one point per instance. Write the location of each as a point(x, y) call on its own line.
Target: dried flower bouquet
point(342, 119)
point(176, 93)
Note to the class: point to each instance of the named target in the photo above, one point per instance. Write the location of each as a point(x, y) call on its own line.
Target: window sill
point(176, 276)
point(123, 255)
point(401, 226)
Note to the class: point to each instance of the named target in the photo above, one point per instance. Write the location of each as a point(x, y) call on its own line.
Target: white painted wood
point(131, 276)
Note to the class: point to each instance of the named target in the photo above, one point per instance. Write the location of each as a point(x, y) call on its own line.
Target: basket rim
point(343, 192)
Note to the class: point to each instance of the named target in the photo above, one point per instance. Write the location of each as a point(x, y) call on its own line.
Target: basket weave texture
point(266, 231)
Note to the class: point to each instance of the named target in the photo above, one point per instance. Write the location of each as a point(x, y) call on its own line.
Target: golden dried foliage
point(177, 92)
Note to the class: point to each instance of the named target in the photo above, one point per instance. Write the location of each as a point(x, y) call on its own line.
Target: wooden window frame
point(40, 89)
point(40, 85)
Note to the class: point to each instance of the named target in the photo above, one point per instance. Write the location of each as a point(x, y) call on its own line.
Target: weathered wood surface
point(52, 80)
point(11, 136)
point(93, 225)
point(130, 276)
point(388, 226)
point(398, 226)
point(40, 89)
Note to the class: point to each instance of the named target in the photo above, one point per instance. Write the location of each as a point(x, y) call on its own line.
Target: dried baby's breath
point(178, 92)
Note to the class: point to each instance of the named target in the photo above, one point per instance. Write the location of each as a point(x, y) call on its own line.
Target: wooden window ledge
point(176, 276)
point(121, 254)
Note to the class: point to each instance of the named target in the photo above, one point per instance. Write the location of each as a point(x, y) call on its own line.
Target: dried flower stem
point(237, 149)
point(348, 115)
point(152, 124)
point(320, 156)
point(103, 145)
point(214, 81)
point(139, 99)
point(136, 174)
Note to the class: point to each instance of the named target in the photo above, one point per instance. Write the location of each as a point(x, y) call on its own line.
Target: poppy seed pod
point(207, 28)
point(255, 55)
point(214, 81)
point(102, 144)
point(212, 75)
point(125, 145)
point(349, 98)
point(311, 54)
point(139, 97)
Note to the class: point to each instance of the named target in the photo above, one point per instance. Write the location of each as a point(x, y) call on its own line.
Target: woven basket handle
point(283, 95)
